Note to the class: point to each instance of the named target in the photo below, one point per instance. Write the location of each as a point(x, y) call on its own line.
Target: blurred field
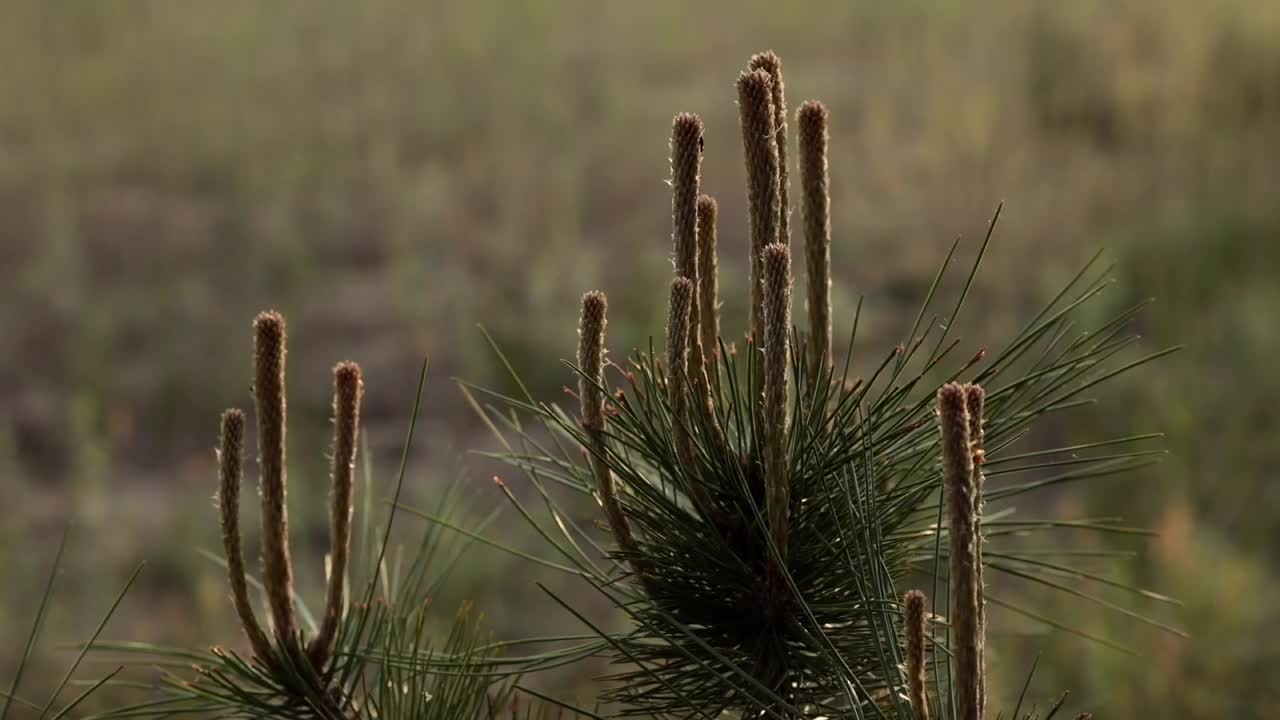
point(389, 174)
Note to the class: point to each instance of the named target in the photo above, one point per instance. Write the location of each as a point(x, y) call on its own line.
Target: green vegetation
point(390, 174)
point(767, 506)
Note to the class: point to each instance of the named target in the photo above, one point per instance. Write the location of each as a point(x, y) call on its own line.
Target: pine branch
point(755, 106)
point(975, 406)
point(777, 366)
point(957, 463)
point(269, 400)
point(230, 461)
point(770, 63)
point(915, 622)
point(591, 333)
point(384, 663)
point(686, 160)
point(770, 554)
point(709, 289)
point(813, 121)
point(348, 390)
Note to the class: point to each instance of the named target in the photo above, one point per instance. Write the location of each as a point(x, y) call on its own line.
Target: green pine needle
point(863, 462)
point(389, 663)
point(37, 625)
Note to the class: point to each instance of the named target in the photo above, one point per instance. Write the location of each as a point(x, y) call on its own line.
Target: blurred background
point(390, 174)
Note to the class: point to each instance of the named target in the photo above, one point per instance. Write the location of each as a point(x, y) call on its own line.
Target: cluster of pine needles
point(379, 655)
point(768, 506)
point(766, 509)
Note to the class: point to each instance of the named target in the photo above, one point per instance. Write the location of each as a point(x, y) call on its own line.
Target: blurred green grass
point(390, 174)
